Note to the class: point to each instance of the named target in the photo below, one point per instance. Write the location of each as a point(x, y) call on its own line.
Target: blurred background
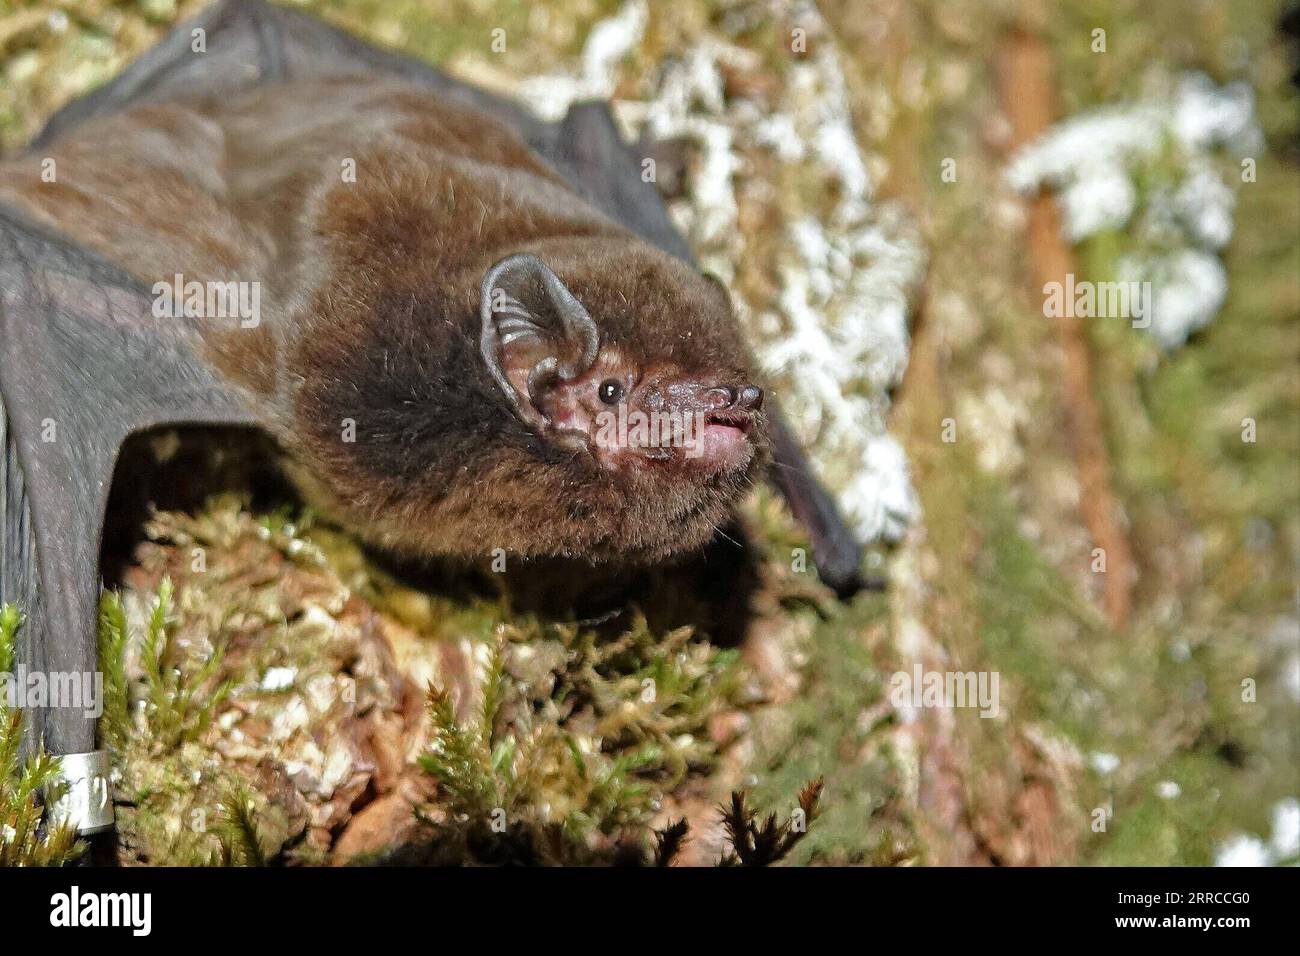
point(1104, 516)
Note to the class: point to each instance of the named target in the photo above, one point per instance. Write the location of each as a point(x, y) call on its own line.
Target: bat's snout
point(722, 398)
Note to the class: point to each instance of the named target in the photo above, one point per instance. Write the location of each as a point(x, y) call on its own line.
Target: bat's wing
point(589, 151)
point(83, 364)
point(246, 43)
point(240, 44)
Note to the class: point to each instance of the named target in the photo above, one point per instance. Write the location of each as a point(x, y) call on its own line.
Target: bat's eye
point(611, 391)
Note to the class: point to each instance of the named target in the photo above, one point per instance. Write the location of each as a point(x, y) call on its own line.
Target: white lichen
point(1282, 846)
point(1188, 287)
point(609, 41)
point(1153, 167)
point(1242, 850)
point(1104, 763)
point(278, 678)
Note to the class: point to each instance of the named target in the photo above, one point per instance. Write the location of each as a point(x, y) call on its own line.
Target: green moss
point(28, 837)
point(173, 799)
point(1214, 517)
point(574, 736)
point(837, 729)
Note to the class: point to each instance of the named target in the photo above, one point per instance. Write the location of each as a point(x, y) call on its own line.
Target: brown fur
point(370, 302)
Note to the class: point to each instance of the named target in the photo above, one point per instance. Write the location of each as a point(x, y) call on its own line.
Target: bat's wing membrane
point(240, 44)
point(83, 364)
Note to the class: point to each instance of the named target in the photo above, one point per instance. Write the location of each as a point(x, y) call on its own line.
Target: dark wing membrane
point(18, 573)
point(83, 364)
point(248, 43)
point(836, 551)
point(591, 154)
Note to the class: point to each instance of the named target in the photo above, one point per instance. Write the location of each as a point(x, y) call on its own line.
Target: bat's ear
point(535, 333)
point(718, 289)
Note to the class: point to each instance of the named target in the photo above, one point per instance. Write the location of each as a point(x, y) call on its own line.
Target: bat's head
point(607, 390)
point(590, 398)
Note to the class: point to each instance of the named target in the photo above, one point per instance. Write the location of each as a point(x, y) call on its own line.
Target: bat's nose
point(723, 398)
point(720, 398)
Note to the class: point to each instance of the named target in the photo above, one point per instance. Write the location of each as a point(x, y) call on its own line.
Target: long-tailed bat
point(447, 301)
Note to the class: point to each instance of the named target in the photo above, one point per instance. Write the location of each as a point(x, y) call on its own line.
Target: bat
point(460, 323)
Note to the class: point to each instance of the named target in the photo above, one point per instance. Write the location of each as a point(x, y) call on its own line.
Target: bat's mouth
point(741, 421)
point(725, 440)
